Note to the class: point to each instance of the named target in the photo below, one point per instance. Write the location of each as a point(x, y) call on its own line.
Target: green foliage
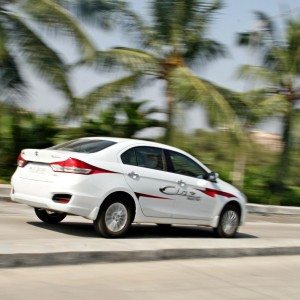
point(23, 130)
point(123, 118)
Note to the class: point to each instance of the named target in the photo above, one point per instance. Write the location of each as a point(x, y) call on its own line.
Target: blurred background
point(218, 79)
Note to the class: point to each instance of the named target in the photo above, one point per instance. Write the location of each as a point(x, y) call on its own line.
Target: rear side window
point(129, 158)
point(146, 157)
point(84, 146)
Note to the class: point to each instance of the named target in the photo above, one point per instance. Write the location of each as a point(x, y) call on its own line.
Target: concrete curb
point(273, 209)
point(5, 191)
point(73, 258)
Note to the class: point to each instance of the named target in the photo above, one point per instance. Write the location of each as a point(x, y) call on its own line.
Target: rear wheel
point(114, 218)
point(50, 217)
point(228, 223)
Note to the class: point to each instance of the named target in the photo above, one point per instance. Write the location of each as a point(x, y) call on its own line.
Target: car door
point(145, 172)
point(192, 199)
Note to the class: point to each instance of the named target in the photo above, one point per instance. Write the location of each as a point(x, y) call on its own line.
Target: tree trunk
point(170, 117)
point(238, 173)
point(284, 159)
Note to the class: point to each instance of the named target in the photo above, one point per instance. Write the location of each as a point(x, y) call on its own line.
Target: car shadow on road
point(136, 231)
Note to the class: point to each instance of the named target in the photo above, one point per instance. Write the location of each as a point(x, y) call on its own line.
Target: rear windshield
point(84, 146)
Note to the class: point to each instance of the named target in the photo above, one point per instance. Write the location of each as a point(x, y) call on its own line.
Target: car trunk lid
point(44, 156)
point(37, 166)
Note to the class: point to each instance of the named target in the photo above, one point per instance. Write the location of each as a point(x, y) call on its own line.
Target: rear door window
point(84, 146)
point(145, 157)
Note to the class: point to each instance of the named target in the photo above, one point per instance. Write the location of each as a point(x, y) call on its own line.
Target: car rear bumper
point(39, 194)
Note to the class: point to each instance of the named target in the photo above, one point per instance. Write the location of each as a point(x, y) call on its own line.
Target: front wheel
point(50, 217)
point(228, 223)
point(114, 219)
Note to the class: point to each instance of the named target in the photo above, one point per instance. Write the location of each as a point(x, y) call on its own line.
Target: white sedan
point(116, 182)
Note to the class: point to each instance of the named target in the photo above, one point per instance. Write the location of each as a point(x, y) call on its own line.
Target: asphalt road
point(19, 222)
point(239, 278)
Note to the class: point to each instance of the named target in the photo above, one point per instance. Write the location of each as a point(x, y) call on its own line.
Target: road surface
point(274, 277)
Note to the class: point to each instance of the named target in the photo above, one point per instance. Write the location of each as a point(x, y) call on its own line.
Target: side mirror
point(212, 176)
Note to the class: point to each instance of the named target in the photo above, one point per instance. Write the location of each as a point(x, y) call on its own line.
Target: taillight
point(75, 166)
point(21, 162)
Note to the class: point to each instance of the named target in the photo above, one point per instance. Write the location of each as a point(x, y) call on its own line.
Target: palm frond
point(11, 81)
point(187, 87)
point(233, 98)
point(174, 19)
point(54, 16)
point(203, 50)
point(144, 35)
point(161, 12)
point(213, 6)
point(272, 105)
point(183, 25)
point(103, 13)
point(258, 73)
point(127, 58)
point(258, 104)
point(111, 90)
point(265, 22)
point(38, 54)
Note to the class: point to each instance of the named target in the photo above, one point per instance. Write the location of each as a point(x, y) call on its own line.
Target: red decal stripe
point(212, 193)
point(150, 196)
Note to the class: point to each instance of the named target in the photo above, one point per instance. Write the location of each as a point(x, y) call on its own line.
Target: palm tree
point(124, 118)
point(175, 39)
point(279, 71)
point(252, 107)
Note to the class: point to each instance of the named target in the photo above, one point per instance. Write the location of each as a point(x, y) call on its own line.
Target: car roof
point(132, 142)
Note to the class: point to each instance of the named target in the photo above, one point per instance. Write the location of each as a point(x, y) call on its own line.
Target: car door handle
point(181, 183)
point(133, 175)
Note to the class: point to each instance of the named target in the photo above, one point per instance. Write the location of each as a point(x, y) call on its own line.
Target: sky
point(236, 16)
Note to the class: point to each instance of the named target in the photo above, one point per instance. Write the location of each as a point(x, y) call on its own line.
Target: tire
point(228, 223)
point(48, 216)
point(114, 218)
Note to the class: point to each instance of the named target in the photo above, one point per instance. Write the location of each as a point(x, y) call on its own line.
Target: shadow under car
point(136, 231)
